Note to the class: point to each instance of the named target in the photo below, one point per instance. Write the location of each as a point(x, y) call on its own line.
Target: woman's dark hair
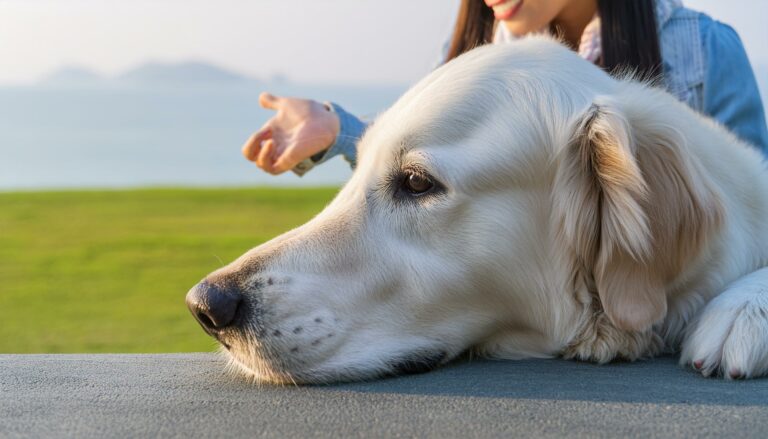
point(627, 30)
point(474, 27)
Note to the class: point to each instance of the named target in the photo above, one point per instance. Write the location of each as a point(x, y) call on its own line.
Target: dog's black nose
point(214, 307)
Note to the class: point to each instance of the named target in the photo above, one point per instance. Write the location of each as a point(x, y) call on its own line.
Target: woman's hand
point(300, 129)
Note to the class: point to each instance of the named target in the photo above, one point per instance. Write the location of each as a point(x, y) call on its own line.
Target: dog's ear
point(633, 208)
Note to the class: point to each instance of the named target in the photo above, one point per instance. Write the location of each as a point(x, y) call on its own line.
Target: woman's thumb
point(268, 101)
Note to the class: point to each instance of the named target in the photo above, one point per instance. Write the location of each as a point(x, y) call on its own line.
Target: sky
point(315, 41)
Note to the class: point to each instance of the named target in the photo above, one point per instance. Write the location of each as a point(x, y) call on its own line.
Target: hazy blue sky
point(361, 41)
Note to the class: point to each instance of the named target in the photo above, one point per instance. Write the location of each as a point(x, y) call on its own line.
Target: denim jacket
point(704, 65)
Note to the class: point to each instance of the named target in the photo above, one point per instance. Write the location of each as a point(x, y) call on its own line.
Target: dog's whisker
point(219, 259)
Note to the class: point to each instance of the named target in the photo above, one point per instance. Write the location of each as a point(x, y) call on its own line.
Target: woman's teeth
point(505, 7)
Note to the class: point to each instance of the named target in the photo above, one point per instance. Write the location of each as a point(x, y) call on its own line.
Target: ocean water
point(69, 137)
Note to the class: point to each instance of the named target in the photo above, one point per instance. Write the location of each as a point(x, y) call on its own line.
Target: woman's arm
point(730, 93)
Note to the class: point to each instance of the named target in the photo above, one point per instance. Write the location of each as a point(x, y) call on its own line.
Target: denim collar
point(664, 11)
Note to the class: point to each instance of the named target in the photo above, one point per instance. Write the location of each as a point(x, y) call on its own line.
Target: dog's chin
point(258, 369)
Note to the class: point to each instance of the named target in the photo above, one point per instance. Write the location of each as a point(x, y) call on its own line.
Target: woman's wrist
point(308, 163)
point(349, 130)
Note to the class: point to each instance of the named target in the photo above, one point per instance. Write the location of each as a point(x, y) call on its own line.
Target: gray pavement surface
point(189, 395)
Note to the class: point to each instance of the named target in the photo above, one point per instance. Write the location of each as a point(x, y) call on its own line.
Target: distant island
point(150, 74)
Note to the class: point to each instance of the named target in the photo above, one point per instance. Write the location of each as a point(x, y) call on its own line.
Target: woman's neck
point(571, 21)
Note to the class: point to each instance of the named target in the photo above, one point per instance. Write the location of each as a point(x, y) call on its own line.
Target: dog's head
point(490, 204)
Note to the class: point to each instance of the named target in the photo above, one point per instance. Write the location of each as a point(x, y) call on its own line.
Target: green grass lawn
point(107, 271)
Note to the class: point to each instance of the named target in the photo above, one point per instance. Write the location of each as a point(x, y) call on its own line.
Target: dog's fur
point(573, 214)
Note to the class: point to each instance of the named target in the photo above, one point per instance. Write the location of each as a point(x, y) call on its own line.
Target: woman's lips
point(504, 9)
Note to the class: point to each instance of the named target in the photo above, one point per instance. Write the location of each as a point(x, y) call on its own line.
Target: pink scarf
point(590, 47)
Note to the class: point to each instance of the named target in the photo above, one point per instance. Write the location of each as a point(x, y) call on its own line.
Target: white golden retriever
point(518, 202)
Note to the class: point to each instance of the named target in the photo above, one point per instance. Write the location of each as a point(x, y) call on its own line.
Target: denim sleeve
point(351, 129)
point(730, 92)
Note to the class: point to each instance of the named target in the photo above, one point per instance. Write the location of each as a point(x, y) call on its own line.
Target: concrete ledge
point(187, 395)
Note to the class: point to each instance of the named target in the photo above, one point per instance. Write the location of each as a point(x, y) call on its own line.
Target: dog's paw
point(730, 336)
point(600, 341)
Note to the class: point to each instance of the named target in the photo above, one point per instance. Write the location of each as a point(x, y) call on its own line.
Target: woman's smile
point(504, 9)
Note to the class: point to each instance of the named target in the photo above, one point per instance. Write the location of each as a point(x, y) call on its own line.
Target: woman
point(700, 61)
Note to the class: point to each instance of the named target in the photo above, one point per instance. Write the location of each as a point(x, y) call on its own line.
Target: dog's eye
point(417, 184)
